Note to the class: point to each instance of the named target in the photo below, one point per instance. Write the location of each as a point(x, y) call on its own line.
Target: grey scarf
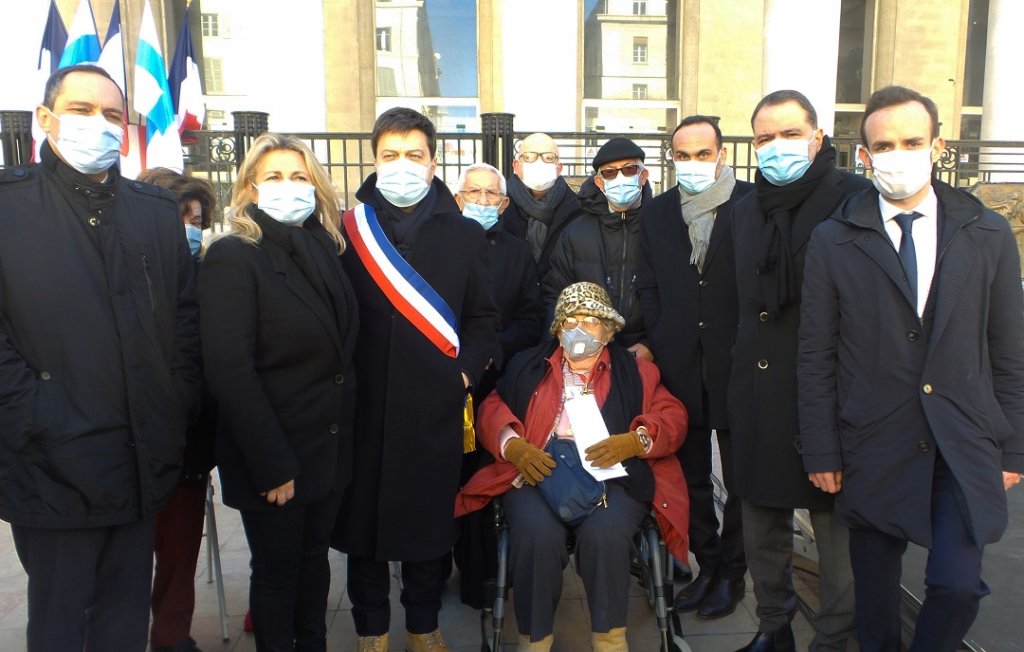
point(699, 213)
point(538, 212)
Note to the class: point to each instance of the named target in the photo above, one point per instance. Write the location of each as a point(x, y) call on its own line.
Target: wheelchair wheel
point(641, 569)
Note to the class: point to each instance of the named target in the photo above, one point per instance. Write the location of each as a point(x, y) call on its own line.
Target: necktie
point(908, 255)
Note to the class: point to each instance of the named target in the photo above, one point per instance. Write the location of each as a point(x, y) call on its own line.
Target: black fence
point(215, 155)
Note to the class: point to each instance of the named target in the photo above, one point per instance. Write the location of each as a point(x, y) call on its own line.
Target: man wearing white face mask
point(601, 247)
point(911, 376)
point(541, 203)
point(796, 187)
point(428, 329)
point(99, 366)
point(686, 274)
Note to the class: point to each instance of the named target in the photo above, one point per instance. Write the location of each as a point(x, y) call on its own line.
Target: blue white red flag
point(183, 78)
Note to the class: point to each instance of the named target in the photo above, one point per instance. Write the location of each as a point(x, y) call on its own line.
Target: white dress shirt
point(925, 230)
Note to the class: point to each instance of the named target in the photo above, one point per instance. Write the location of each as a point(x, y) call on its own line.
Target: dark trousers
point(179, 535)
point(369, 583)
point(768, 538)
point(953, 584)
point(718, 555)
point(538, 555)
point(290, 574)
point(87, 588)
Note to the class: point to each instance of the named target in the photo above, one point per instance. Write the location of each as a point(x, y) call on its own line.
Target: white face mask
point(539, 176)
point(696, 176)
point(402, 182)
point(902, 172)
point(88, 143)
point(287, 202)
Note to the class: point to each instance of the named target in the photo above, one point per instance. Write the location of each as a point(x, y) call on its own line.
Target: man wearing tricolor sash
point(428, 329)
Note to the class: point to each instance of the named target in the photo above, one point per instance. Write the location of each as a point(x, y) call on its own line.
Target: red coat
point(663, 416)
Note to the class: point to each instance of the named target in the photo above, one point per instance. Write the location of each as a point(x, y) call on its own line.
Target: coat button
point(664, 505)
point(130, 443)
point(333, 429)
point(702, 325)
point(702, 283)
point(913, 336)
point(762, 364)
point(763, 316)
point(94, 221)
point(44, 375)
point(923, 446)
point(339, 379)
point(926, 388)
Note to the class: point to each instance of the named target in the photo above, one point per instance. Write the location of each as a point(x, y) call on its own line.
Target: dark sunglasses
point(627, 171)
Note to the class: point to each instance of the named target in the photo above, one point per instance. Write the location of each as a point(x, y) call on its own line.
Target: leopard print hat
point(585, 298)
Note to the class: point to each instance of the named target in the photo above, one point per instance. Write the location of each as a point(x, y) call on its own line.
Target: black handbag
point(570, 490)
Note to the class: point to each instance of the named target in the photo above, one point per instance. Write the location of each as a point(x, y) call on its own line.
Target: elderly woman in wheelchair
point(561, 396)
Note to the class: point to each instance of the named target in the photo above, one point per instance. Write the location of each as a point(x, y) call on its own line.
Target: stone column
point(801, 51)
point(1004, 93)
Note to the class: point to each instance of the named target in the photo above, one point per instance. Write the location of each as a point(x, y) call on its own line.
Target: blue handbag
point(570, 490)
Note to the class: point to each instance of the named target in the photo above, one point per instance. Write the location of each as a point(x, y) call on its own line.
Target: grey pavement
point(459, 623)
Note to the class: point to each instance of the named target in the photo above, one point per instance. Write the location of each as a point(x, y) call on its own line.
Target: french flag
point(186, 91)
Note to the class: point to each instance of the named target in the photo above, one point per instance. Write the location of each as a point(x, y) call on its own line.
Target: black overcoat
point(762, 400)
point(99, 350)
point(408, 446)
point(882, 390)
point(691, 316)
point(279, 366)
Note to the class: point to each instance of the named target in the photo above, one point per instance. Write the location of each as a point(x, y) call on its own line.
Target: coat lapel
point(954, 259)
point(872, 239)
point(297, 283)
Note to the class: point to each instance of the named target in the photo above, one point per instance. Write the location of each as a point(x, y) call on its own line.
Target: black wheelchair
point(651, 566)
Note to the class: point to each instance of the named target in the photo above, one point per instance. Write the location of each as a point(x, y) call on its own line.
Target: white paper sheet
point(588, 428)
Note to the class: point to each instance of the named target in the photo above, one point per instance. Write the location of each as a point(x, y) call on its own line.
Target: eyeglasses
point(530, 157)
point(482, 193)
point(627, 171)
point(589, 321)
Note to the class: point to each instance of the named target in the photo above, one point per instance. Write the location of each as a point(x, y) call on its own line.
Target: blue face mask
point(579, 344)
point(696, 176)
point(402, 182)
point(784, 160)
point(487, 216)
point(195, 239)
point(287, 202)
point(89, 143)
point(623, 190)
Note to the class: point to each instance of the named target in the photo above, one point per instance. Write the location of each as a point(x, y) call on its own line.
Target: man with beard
point(601, 247)
point(797, 186)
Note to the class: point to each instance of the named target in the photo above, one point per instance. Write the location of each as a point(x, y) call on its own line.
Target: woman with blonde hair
point(279, 321)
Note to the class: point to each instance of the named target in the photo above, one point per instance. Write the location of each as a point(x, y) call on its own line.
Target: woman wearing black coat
point(279, 324)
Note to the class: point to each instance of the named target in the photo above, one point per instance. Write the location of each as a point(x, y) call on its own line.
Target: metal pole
point(248, 125)
point(16, 137)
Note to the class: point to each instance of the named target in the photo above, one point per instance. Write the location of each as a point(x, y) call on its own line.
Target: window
point(639, 91)
point(213, 76)
point(639, 7)
point(639, 49)
point(386, 86)
point(384, 39)
point(211, 25)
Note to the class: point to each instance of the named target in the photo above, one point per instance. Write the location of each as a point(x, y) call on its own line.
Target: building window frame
point(640, 91)
point(640, 50)
point(384, 39)
point(210, 25)
point(639, 7)
point(213, 75)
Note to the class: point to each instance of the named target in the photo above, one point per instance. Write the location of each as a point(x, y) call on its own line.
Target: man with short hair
point(541, 203)
point(911, 375)
point(686, 274)
point(601, 247)
point(796, 187)
point(99, 368)
point(428, 328)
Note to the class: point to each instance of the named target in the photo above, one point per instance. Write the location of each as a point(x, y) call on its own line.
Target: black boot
point(780, 641)
point(722, 598)
point(690, 596)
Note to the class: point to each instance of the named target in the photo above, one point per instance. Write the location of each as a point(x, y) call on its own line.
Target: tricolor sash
point(407, 291)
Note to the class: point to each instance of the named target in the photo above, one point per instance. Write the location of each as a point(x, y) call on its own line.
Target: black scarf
point(778, 279)
point(83, 191)
point(624, 402)
point(404, 226)
point(308, 246)
point(538, 212)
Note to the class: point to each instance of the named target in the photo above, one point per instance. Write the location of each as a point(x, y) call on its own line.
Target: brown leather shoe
point(372, 643)
point(431, 642)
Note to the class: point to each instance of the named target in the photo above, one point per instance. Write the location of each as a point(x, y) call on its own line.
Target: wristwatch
point(645, 439)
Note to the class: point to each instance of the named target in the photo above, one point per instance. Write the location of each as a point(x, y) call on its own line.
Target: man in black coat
point(686, 274)
point(912, 376)
point(99, 355)
point(601, 247)
point(409, 418)
point(796, 187)
point(541, 203)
